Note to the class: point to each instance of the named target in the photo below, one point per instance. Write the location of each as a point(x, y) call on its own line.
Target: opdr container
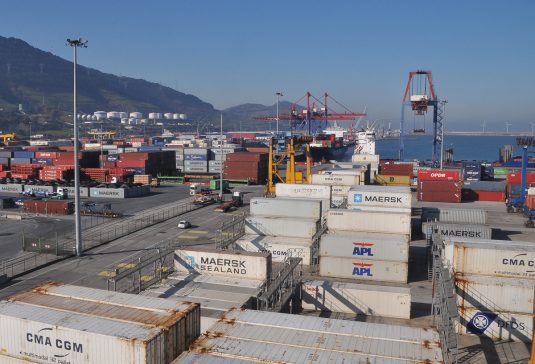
point(495, 293)
point(285, 207)
point(302, 190)
point(281, 226)
point(391, 247)
point(500, 258)
point(495, 325)
point(370, 270)
point(279, 247)
point(383, 196)
point(367, 299)
point(335, 180)
point(457, 230)
point(230, 263)
point(369, 221)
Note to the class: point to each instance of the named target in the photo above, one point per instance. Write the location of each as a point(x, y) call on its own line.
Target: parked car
point(183, 224)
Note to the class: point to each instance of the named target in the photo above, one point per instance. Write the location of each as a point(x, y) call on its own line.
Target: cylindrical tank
point(176, 116)
point(155, 115)
point(183, 116)
point(143, 121)
point(124, 120)
point(99, 115)
point(136, 115)
point(113, 115)
point(168, 115)
point(123, 115)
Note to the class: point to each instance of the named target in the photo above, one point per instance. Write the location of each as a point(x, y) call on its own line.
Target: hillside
point(246, 113)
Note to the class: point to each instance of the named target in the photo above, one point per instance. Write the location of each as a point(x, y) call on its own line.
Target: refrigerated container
point(363, 269)
point(369, 221)
point(457, 230)
point(281, 226)
point(382, 196)
point(303, 190)
point(335, 180)
point(285, 207)
point(279, 247)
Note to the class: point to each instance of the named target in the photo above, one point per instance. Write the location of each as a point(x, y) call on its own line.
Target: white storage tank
point(176, 116)
point(113, 115)
point(168, 115)
point(155, 115)
point(183, 116)
point(136, 115)
point(100, 115)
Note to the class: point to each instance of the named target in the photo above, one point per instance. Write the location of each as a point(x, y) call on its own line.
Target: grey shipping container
point(456, 216)
point(188, 163)
point(36, 188)
point(457, 230)
point(195, 169)
point(21, 161)
point(11, 188)
point(6, 154)
point(84, 191)
point(196, 151)
point(491, 186)
point(4, 161)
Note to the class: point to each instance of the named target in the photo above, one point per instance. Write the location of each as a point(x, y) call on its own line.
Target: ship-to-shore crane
point(420, 94)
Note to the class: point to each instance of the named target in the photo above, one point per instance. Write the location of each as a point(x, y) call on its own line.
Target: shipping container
point(335, 180)
point(495, 293)
point(269, 337)
point(11, 188)
point(279, 247)
point(37, 188)
point(56, 207)
point(84, 191)
point(498, 326)
point(438, 175)
point(382, 196)
point(281, 226)
point(432, 196)
point(439, 186)
point(341, 190)
point(455, 216)
point(369, 221)
point(303, 190)
point(354, 298)
point(254, 265)
point(393, 247)
point(501, 258)
point(392, 180)
point(285, 207)
point(457, 230)
point(363, 269)
point(369, 158)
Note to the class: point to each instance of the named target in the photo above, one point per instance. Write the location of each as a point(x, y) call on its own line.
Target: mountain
point(42, 83)
point(246, 113)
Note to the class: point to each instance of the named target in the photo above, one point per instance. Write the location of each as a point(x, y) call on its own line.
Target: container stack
point(484, 191)
point(95, 326)
point(456, 223)
point(495, 285)
point(196, 160)
point(245, 166)
point(340, 181)
point(397, 172)
point(283, 226)
point(371, 159)
point(439, 186)
point(306, 191)
point(514, 181)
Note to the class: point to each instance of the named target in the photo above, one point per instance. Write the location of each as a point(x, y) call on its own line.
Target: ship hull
point(325, 154)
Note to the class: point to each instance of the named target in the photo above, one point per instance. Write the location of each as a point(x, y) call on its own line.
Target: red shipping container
point(49, 207)
point(530, 202)
point(46, 155)
point(1, 167)
point(438, 175)
point(242, 135)
point(6, 174)
point(490, 196)
point(131, 163)
point(439, 196)
point(440, 186)
point(22, 175)
point(245, 157)
point(516, 178)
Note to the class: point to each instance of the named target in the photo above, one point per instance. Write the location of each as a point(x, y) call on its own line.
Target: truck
point(237, 201)
point(60, 194)
point(215, 185)
point(196, 188)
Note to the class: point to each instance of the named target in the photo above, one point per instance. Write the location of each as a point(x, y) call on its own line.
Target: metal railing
point(229, 232)
point(277, 292)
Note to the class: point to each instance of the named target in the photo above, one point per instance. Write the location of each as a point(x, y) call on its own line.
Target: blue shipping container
point(149, 149)
point(23, 154)
point(135, 170)
point(112, 158)
point(195, 157)
point(48, 162)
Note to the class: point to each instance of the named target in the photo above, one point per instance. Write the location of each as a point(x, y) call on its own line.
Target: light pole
point(278, 94)
point(222, 163)
point(443, 102)
point(75, 44)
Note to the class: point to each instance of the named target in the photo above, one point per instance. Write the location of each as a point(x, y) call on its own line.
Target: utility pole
point(222, 163)
point(75, 44)
point(278, 94)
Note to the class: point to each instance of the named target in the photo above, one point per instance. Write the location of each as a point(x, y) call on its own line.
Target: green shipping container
point(500, 171)
point(214, 184)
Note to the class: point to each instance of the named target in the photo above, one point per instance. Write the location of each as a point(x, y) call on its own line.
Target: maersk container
point(368, 299)
point(497, 326)
point(501, 258)
point(36, 188)
point(393, 247)
point(455, 216)
point(369, 221)
point(11, 188)
point(84, 191)
point(38, 333)
point(302, 190)
point(254, 265)
point(285, 207)
point(495, 293)
point(281, 226)
point(335, 180)
point(398, 210)
point(457, 230)
point(382, 196)
point(279, 247)
point(282, 338)
point(363, 269)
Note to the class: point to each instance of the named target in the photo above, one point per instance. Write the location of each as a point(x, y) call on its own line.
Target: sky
point(481, 53)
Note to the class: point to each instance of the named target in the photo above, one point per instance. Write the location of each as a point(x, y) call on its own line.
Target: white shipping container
point(391, 247)
point(383, 196)
point(495, 325)
point(281, 226)
point(228, 263)
point(501, 258)
point(341, 190)
point(302, 190)
point(338, 201)
point(369, 221)
point(369, 270)
point(495, 293)
point(40, 333)
point(368, 158)
point(367, 299)
point(335, 180)
point(458, 230)
point(285, 207)
point(279, 247)
point(399, 210)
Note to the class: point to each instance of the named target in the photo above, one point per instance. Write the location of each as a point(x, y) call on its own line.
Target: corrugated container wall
point(457, 230)
point(302, 190)
point(285, 207)
point(281, 226)
point(369, 270)
point(369, 221)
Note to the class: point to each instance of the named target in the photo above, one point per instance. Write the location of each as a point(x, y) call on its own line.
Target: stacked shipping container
point(439, 186)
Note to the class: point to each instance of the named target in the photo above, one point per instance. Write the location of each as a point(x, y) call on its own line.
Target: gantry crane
point(420, 94)
point(302, 119)
point(287, 156)
point(7, 136)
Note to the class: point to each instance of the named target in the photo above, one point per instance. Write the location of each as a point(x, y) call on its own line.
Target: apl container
point(353, 298)
point(335, 180)
point(254, 265)
point(391, 247)
point(285, 207)
point(302, 190)
point(281, 226)
point(279, 247)
point(383, 196)
point(369, 221)
point(363, 269)
point(457, 230)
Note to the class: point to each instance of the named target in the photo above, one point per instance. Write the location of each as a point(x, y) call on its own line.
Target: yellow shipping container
point(391, 180)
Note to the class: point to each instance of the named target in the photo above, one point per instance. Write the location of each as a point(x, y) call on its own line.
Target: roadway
point(93, 268)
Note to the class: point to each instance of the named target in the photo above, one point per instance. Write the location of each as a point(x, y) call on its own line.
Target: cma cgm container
point(369, 221)
point(335, 180)
point(227, 263)
point(303, 190)
point(355, 298)
point(281, 226)
point(363, 269)
point(382, 196)
point(285, 207)
point(37, 325)
point(279, 247)
point(457, 230)
point(371, 246)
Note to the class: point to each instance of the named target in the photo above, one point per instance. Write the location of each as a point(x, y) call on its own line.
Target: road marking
point(146, 278)
point(126, 265)
point(192, 237)
point(106, 273)
point(198, 231)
